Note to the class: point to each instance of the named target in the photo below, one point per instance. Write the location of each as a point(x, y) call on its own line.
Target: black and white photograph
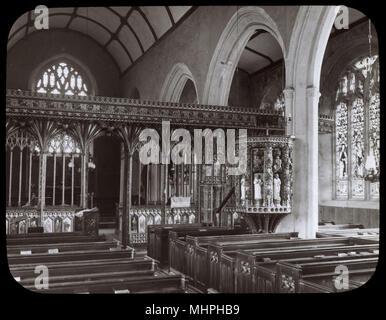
point(176, 149)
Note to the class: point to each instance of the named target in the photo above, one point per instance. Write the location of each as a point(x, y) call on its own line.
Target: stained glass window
point(62, 78)
point(357, 129)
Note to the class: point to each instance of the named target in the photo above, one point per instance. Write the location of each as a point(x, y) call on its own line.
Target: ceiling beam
point(147, 21)
point(167, 33)
point(259, 54)
point(170, 15)
point(72, 17)
point(124, 22)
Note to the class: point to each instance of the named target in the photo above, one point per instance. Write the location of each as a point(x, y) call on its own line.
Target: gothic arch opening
point(175, 83)
point(72, 62)
point(243, 25)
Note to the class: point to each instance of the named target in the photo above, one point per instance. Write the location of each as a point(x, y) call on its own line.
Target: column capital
point(313, 92)
point(289, 92)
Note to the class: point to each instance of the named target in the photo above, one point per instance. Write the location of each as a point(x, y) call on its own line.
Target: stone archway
point(175, 82)
point(231, 44)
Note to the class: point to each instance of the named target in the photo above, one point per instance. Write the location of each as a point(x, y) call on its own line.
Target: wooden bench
point(157, 283)
point(367, 233)
point(44, 238)
point(158, 239)
point(322, 273)
point(256, 270)
point(122, 268)
point(61, 247)
point(197, 256)
point(177, 244)
point(70, 256)
point(340, 226)
point(157, 236)
point(221, 256)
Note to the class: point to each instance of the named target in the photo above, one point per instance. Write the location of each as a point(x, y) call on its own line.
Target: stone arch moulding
point(175, 82)
point(230, 46)
point(72, 60)
point(307, 45)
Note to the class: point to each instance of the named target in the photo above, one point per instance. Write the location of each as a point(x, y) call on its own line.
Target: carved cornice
point(270, 141)
point(95, 108)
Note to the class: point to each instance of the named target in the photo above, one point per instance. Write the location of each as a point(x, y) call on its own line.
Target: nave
point(194, 258)
point(193, 149)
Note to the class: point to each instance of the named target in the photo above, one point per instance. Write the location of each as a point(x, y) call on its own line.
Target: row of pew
point(231, 261)
point(85, 264)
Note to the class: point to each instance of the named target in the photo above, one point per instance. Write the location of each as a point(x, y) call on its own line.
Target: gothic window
point(357, 131)
point(63, 143)
point(62, 78)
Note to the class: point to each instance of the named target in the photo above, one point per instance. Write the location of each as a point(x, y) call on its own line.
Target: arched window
point(357, 131)
point(62, 78)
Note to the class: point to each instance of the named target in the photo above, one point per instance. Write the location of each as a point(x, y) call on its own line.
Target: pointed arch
point(175, 82)
point(64, 57)
point(231, 44)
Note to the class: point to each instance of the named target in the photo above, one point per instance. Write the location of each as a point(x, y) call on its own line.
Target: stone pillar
point(304, 217)
point(289, 110)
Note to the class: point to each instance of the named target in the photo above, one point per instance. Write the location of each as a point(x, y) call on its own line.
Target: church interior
point(291, 91)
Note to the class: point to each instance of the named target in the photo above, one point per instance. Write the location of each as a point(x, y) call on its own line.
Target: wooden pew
point(312, 287)
point(177, 244)
point(122, 268)
point(221, 262)
point(367, 233)
point(44, 238)
point(198, 259)
point(158, 239)
point(340, 226)
point(256, 270)
point(322, 273)
point(157, 283)
point(61, 247)
point(157, 236)
point(70, 256)
point(27, 270)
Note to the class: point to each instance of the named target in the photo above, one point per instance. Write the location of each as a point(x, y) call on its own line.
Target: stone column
point(304, 217)
point(289, 110)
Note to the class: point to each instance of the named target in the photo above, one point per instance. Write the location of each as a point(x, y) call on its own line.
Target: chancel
point(102, 103)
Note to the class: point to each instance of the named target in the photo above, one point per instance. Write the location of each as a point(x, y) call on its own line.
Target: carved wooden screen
point(357, 130)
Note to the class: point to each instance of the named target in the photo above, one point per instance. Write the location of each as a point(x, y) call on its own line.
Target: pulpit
point(264, 193)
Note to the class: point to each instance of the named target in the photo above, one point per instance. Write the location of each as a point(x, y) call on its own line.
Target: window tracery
point(357, 129)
